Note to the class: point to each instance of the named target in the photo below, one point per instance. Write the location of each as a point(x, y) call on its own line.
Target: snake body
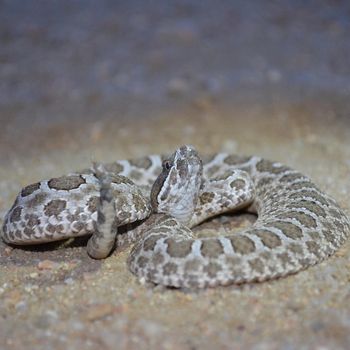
point(155, 201)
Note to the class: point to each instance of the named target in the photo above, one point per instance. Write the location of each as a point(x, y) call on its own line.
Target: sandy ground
point(83, 81)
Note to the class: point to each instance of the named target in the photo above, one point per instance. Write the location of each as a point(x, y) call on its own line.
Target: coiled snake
point(155, 201)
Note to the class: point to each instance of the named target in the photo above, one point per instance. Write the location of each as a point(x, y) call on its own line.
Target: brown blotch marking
point(212, 269)
point(257, 265)
point(295, 248)
point(158, 258)
point(306, 220)
point(66, 183)
point(288, 229)
point(309, 205)
point(78, 226)
point(179, 249)
point(314, 235)
point(268, 238)
point(50, 228)
point(206, 197)
point(26, 191)
point(55, 207)
point(211, 248)
point(314, 248)
point(32, 220)
point(266, 255)
point(328, 235)
point(93, 203)
point(151, 274)
point(142, 261)
point(234, 159)
point(285, 259)
point(114, 168)
point(268, 166)
point(169, 269)
point(242, 244)
point(238, 184)
point(144, 163)
point(29, 231)
point(192, 265)
point(16, 214)
point(291, 177)
point(151, 242)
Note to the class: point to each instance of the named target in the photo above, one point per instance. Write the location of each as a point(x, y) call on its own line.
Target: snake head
point(175, 191)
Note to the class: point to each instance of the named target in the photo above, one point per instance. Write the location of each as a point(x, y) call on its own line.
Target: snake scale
point(154, 202)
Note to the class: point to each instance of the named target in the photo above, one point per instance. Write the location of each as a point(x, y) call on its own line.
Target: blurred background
point(72, 73)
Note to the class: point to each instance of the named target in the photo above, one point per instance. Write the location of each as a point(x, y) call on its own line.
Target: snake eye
point(166, 165)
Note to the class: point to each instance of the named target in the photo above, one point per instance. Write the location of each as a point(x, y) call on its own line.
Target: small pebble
point(8, 250)
point(47, 265)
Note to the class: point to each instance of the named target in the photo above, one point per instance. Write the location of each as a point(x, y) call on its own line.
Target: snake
point(153, 202)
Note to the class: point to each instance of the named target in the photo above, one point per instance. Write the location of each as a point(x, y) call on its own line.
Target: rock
point(47, 265)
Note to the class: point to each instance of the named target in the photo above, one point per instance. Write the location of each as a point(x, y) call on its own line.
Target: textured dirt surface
point(98, 80)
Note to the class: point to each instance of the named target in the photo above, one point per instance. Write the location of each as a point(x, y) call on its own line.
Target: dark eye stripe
point(157, 186)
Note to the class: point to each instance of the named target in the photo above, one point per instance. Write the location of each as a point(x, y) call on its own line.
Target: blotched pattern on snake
point(155, 201)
